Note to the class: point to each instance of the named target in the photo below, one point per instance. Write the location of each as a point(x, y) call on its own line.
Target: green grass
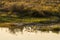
point(26, 20)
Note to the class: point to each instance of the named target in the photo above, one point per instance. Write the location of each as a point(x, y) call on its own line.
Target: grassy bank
point(30, 12)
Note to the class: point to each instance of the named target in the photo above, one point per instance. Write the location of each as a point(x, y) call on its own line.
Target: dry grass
point(37, 5)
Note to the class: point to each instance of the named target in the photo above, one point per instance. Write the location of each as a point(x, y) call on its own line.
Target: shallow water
point(7, 34)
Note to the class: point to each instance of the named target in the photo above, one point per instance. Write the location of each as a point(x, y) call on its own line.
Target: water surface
point(7, 34)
